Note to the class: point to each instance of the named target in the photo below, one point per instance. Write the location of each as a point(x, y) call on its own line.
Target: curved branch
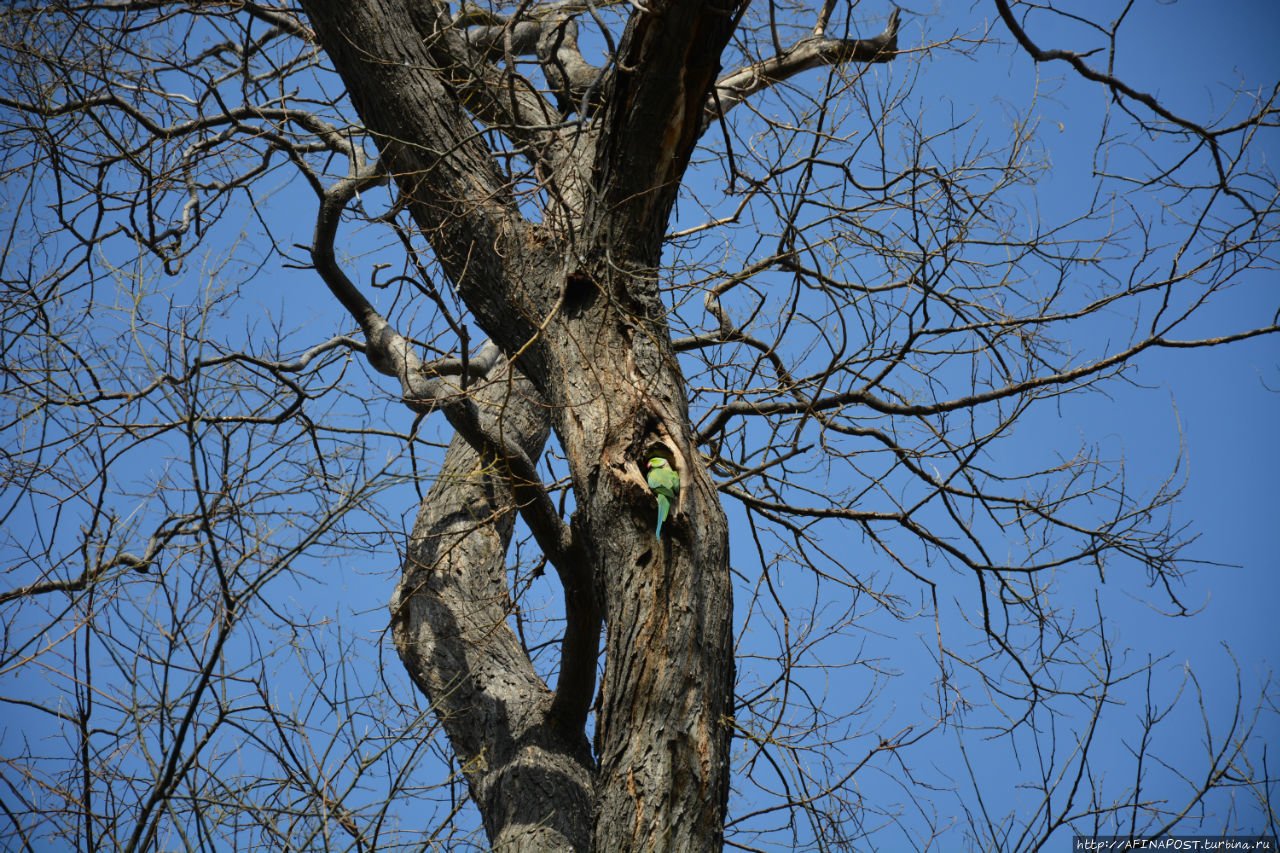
point(811, 52)
point(1076, 61)
point(1118, 88)
point(389, 353)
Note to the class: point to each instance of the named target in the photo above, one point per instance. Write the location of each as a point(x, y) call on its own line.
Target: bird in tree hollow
point(665, 483)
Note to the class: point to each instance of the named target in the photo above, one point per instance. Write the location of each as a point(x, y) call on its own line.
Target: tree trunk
point(662, 737)
point(533, 785)
point(575, 300)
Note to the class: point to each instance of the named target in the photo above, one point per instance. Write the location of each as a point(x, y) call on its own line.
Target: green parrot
point(666, 485)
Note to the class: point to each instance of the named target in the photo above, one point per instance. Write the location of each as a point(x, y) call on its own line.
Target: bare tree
point(727, 234)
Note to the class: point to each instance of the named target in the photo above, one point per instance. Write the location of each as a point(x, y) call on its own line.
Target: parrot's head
point(657, 462)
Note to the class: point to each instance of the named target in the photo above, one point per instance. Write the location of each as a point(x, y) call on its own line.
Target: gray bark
point(533, 784)
point(574, 300)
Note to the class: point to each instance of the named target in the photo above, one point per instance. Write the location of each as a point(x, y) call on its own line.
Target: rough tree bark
point(532, 780)
point(574, 300)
